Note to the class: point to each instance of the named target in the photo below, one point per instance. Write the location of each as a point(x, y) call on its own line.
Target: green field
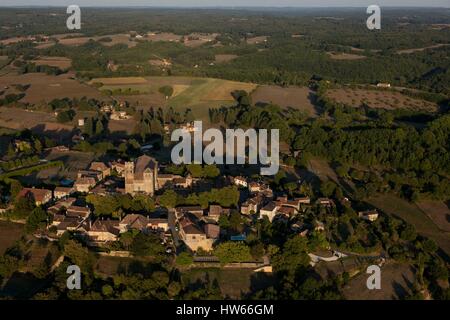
point(198, 94)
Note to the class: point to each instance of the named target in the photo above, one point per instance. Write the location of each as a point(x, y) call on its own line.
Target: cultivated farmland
point(199, 94)
point(296, 97)
point(107, 40)
point(379, 99)
point(45, 88)
point(59, 62)
point(438, 211)
point(9, 233)
point(15, 118)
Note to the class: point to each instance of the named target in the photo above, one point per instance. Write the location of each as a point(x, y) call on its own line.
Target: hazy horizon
point(230, 3)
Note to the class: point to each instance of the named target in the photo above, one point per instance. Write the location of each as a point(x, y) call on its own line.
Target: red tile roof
point(38, 195)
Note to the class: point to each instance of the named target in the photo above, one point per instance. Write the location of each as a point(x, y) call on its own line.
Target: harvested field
point(119, 81)
point(322, 169)
point(15, 118)
point(408, 51)
point(44, 88)
point(57, 131)
point(8, 69)
point(117, 39)
point(67, 35)
point(3, 61)
point(296, 97)
point(107, 40)
point(197, 39)
point(438, 211)
point(163, 36)
point(122, 125)
point(132, 89)
point(160, 63)
point(222, 58)
point(148, 93)
point(345, 56)
point(73, 41)
point(59, 62)
point(411, 213)
point(45, 45)
point(178, 89)
point(397, 281)
point(440, 26)
point(9, 233)
point(15, 40)
point(257, 40)
point(41, 253)
point(379, 99)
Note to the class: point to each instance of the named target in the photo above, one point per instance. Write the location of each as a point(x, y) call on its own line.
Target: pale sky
point(230, 3)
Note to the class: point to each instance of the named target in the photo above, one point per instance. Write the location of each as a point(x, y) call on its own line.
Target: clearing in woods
point(59, 62)
point(233, 283)
point(107, 40)
point(438, 211)
point(111, 266)
point(10, 232)
point(322, 169)
point(396, 282)
point(345, 56)
point(408, 51)
point(221, 58)
point(300, 98)
point(412, 214)
point(14, 118)
point(382, 99)
point(257, 40)
point(45, 87)
point(3, 61)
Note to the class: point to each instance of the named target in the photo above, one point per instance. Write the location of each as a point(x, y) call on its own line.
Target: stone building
point(141, 176)
point(39, 196)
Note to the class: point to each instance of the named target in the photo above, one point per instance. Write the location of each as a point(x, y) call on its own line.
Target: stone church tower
point(141, 176)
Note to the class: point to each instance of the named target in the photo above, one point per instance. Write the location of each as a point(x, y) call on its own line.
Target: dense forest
point(399, 156)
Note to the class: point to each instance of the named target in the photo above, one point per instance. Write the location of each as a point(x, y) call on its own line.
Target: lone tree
point(242, 97)
point(167, 91)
